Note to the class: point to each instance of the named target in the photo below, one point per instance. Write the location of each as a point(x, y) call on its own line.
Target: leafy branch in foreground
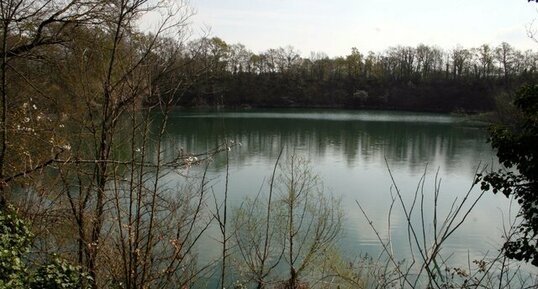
point(15, 272)
point(517, 149)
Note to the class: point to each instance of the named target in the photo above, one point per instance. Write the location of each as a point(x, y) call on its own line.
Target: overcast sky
point(335, 26)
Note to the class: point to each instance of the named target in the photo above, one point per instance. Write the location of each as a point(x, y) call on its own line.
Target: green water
point(351, 151)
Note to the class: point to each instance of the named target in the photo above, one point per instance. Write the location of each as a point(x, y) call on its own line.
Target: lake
point(352, 152)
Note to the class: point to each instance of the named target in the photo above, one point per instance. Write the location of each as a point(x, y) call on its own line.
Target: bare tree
point(312, 219)
point(427, 266)
point(300, 225)
point(105, 134)
point(256, 235)
point(25, 27)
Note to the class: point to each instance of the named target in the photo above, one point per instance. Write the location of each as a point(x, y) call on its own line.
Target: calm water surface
point(350, 150)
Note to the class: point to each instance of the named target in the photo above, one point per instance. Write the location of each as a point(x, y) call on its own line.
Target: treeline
point(210, 72)
point(403, 77)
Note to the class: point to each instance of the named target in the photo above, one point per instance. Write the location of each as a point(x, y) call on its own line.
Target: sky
point(335, 26)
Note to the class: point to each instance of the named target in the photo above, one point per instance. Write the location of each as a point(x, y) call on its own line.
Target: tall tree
point(25, 27)
point(504, 55)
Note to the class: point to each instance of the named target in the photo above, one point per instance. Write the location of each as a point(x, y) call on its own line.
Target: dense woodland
point(423, 78)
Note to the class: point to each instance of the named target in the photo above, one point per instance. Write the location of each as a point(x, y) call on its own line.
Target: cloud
point(337, 26)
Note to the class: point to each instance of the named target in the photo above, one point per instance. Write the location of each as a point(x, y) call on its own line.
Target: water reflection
point(406, 140)
point(351, 151)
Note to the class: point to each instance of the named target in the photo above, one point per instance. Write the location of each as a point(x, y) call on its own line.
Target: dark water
point(351, 151)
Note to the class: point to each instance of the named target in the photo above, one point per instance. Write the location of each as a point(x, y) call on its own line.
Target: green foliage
point(59, 274)
point(15, 242)
point(516, 146)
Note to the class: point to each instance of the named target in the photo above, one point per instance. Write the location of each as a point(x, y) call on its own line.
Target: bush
point(15, 242)
point(59, 274)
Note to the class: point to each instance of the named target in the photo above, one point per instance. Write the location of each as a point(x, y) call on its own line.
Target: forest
point(422, 78)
